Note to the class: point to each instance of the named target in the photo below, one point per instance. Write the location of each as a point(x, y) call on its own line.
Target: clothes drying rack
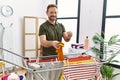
point(49, 68)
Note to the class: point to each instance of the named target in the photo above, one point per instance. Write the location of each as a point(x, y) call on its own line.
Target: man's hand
point(69, 34)
point(55, 44)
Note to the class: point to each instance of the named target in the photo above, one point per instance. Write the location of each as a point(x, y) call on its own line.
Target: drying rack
point(49, 68)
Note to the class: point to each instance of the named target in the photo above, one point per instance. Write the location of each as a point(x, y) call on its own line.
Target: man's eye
point(53, 12)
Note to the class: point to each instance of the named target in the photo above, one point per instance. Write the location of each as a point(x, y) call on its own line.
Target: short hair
point(51, 5)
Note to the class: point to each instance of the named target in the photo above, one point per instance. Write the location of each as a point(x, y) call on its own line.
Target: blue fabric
point(22, 77)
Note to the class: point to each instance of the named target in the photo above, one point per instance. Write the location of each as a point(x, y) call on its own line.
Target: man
point(51, 32)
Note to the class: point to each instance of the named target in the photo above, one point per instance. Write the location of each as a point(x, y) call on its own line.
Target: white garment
point(46, 75)
point(13, 76)
point(8, 44)
point(1, 40)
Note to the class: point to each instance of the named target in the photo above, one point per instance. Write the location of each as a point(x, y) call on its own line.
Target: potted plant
point(101, 51)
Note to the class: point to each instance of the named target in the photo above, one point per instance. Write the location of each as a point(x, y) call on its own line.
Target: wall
point(90, 18)
point(13, 35)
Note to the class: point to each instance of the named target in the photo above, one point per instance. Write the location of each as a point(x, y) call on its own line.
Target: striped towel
point(98, 76)
point(87, 71)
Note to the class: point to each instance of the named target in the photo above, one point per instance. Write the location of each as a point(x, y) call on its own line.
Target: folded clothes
point(80, 58)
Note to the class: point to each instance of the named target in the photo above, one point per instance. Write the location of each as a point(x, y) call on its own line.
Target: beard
point(52, 18)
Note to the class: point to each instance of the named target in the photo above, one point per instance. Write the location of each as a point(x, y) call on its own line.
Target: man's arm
point(47, 43)
point(67, 36)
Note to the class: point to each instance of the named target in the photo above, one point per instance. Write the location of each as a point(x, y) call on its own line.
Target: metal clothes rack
point(46, 67)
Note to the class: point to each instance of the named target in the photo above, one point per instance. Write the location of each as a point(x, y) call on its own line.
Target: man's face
point(52, 13)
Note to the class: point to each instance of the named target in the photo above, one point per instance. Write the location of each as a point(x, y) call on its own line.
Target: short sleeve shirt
point(52, 32)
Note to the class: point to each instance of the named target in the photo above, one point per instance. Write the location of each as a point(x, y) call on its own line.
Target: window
point(67, 8)
point(111, 20)
point(113, 7)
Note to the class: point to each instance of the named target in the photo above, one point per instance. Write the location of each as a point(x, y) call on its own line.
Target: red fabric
point(5, 77)
point(79, 58)
point(41, 60)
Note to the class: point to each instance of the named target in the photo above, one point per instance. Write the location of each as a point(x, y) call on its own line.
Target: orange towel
point(59, 52)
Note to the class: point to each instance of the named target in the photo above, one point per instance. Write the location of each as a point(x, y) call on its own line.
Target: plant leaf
point(108, 71)
point(97, 38)
point(113, 40)
point(97, 51)
point(115, 75)
point(111, 59)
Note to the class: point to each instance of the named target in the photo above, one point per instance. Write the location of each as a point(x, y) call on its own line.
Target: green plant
point(101, 50)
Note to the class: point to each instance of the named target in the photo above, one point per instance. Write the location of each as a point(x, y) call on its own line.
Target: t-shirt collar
point(52, 24)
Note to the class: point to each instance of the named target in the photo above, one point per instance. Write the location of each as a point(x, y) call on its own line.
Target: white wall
point(90, 19)
point(13, 41)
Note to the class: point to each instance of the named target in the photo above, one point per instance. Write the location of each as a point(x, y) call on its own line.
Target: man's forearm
point(46, 43)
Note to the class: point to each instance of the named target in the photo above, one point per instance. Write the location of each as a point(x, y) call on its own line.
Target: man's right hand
point(55, 44)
